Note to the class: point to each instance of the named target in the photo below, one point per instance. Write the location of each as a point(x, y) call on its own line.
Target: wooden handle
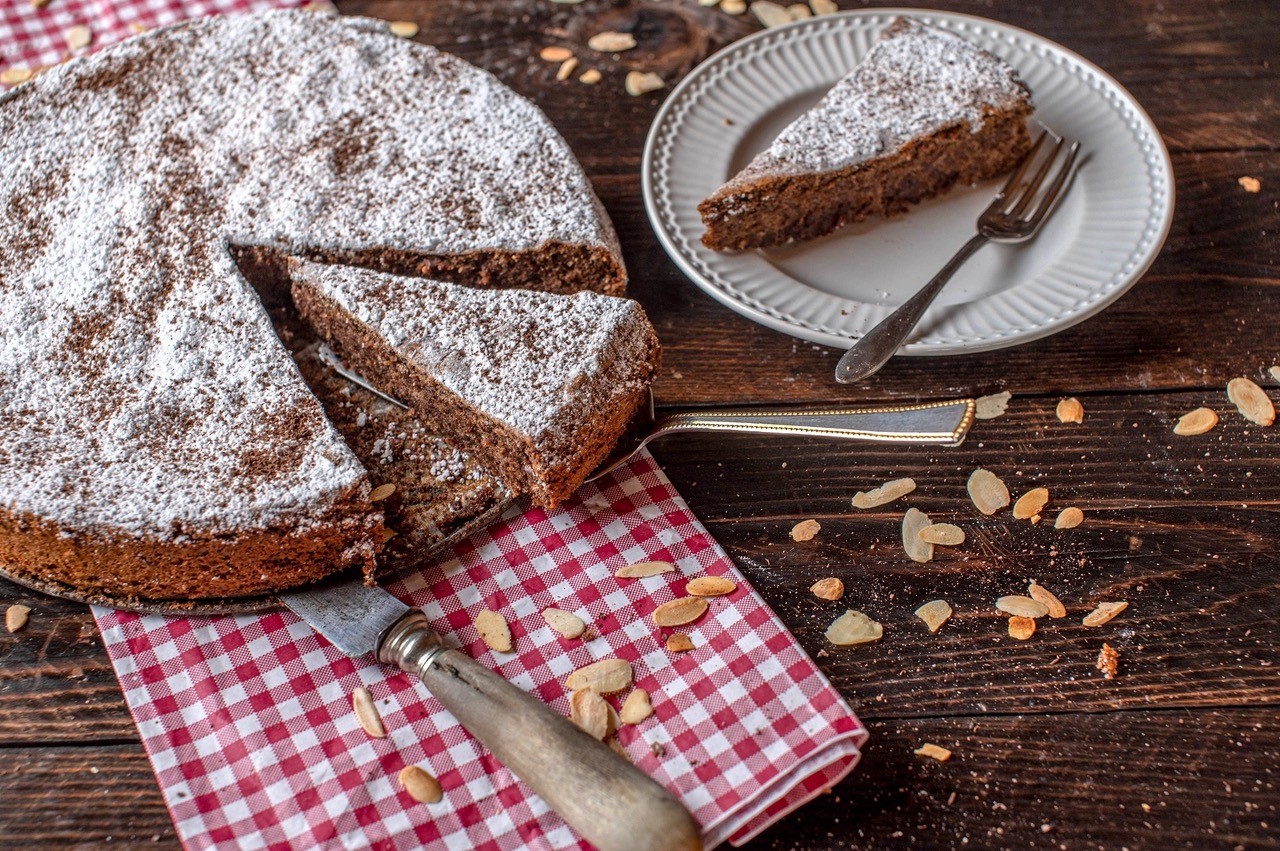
point(611, 803)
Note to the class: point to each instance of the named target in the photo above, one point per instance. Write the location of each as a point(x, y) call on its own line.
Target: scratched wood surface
point(1180, 749)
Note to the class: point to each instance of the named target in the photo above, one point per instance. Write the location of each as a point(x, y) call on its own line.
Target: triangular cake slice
point(923, 111)
point(536, 387)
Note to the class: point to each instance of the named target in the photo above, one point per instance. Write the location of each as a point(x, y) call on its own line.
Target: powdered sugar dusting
point(142, 389)
point(915, 81)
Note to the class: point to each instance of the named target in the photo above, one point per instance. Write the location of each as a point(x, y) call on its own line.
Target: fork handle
point(883, 341)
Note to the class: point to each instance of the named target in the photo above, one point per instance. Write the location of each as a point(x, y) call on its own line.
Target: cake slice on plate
point(923, 111)
point(536, 387)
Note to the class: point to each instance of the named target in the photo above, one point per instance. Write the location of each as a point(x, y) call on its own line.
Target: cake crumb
point(1250, 184)
point(1108, 661)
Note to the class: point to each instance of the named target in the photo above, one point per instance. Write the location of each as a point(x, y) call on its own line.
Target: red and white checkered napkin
point(249, 725)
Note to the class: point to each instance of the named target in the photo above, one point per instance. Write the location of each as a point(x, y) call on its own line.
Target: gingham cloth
point(248, 719)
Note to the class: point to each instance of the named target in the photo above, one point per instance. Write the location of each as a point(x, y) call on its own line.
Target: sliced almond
point(642, 82)
point(1069, 518)
point(1252, 401)
point(567, 68)
point(367, 713)
point(567, 624)
point(1195, 422)
point(1021, 628)
point(824, 7)
point(1250, 184)
point(942, 534)
point(636, 707)
point(680, 611)
point(934, 614)
point(388, 533)
point(678, 642)
point(1048, 599)
point(770, 14)
point(708, 2)
point(643, 569)
point(39, 4)
point(611, 42)
point(590, 77)
point(805, 530)
point(733, 7)
point(710, 586)
point(1023, 607)
point(830, 588)
point(1274, 372)
point(555, 53)
point(605, 676)
point(914, 522)
point(1070, 411)
point(885, 494)
point(852, 628)
point(79, 37)
point(799, 11)
point(1104, 612)
point(381, 492)
point(14, 76)
point(990, 407)
point(988, 493)
point(590, 711)
point(16, 616)
point(1031, 503)
point(420, 785)
point(494, 631)
point(933, 751)
point(404, 29)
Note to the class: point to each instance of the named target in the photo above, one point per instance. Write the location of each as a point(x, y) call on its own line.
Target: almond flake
point(988, 493)
point(942, 534)
point(1023, 607)
point(567, 624)
point(1195, 422)
point(1069, 518)
point(710, 586)
point(605, 676)
point(420, 785)
point(555, 54)
point(708, 2)
point(1250, 184)
point(828, 589)
point(138, 29)
point(1070, 411)
point(1104, 612)
point(388, 533)
point(680, 611)
point(13, 76)
point(79, 37)
point(1274, 372)
point(381, 492)
point(933, 751)
point(805, 530)
point(1043, 595)
point(914, 522)
point(799, 11)
point(494, 631)
point(678, 642)
point(885, 494)
point(611, 42)
point(990, 407)
point(642, 569)
point(1031, 503)
point(567, 68)
point(39, 4)
point(934, 614)
point(590, 77)
point(824, 7)
point(770, 14)
point(1021, 628)
point(636, 707)
point(404, 29)
point(590, 711)
point(1108, 661)
point(367, 713)
point(733, 7)
point(16, 616)
point(852, 628)
point(642, 82)
point(1252, 400)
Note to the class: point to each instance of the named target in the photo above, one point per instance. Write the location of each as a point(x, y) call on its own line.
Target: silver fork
point(1015, 215)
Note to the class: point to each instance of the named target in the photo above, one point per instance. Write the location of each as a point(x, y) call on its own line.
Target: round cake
point(156, 439)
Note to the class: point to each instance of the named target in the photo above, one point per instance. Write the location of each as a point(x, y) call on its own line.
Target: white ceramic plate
point(1104, 235)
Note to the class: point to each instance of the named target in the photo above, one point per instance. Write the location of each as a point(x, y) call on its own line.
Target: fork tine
point(1051, 194)
point(1029, 191)
point(1012, 182)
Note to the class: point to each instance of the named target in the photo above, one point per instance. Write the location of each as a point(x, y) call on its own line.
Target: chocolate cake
point(156, 439)
point(923, 111)
point(536, 387)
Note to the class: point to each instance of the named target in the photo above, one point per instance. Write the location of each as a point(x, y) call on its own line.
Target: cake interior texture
point(924, 111)
point(536, 387)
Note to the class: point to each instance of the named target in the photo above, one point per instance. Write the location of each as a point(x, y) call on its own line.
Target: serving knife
point(607, 800)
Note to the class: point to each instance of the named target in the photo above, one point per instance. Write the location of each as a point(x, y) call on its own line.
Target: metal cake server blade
point(610, 802)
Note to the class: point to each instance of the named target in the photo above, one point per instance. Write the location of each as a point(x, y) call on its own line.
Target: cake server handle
point(610, 802)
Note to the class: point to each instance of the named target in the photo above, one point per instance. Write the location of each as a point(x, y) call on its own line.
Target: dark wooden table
point(1181, 749)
